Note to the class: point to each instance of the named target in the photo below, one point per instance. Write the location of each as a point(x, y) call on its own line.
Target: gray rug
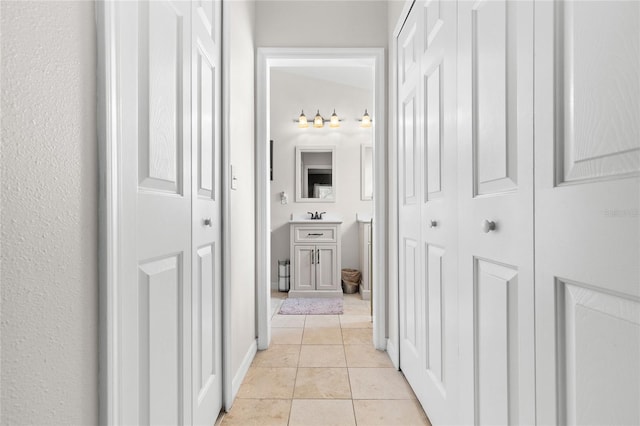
point(311, 306)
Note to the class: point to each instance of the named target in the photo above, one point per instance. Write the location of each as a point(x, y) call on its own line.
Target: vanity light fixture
point(366, 120)
point(318, 121)
point(302, 121)
point(335, 121)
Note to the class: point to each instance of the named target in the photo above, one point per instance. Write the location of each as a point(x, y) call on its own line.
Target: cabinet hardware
point(314, 235)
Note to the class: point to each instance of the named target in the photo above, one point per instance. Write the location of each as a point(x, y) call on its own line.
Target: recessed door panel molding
point(494, 85)
point(599, 355)
point(206, 13)
point(409, 151)
point(205, 319)
point(408, 54)
point(160, 100)
point(598, 98)
point(412, 314)
point(206, 125)
point(433, 132)
point(496, 343)
point(435, 315)
point(433, 21)
point(160, 341)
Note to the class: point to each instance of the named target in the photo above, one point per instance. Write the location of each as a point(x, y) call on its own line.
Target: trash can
point(350, 280)
point(283, 275)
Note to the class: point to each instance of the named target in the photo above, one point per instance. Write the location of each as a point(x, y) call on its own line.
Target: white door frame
point(268, 58)
point(109, 211)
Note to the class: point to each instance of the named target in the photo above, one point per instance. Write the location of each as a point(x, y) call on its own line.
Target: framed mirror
point(315, 174)
point(366, 172)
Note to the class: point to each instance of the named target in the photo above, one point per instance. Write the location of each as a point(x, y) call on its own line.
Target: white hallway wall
point(241, 16)
point(289, 94)
point(49, 211)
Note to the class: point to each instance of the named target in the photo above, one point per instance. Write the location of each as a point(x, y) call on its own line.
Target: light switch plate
point(234, 179)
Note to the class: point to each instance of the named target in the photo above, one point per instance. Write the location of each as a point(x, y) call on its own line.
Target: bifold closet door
point(206, 309)
point(428, 215)
point(168, 291)
point(154, 93)
point(587, 212)
point(496, 280)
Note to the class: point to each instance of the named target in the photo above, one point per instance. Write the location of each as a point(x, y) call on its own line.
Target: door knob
point(207, 222)
point(433, 224)
point(488, 226)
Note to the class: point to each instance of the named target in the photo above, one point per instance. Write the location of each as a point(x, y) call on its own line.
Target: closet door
point(587, 212)
point(428, 283)
point(411, 291)
point(154, 287)
point(496, 212)
point(206, 157)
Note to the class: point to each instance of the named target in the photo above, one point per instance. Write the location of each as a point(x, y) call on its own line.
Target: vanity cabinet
point(315, 260)
point(364, 228)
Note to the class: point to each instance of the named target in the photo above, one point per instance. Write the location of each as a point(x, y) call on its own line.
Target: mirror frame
point(298, 165)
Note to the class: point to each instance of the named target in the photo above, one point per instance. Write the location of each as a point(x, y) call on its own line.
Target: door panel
point(154, 290)
point(494, 69)
point(207, 208)
point(587, 201)
point(160, 327)
point(326, 261)
point(428, 225)
point(160, 97)
point(599, 102)
point(496, 212)
point(304, 258)
point(496, 323)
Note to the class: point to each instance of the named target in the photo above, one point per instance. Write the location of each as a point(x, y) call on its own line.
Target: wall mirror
point(366, 172)
point(315, 174)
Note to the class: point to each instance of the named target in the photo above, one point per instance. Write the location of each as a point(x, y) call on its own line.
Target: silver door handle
point(488, 226)
point(433, 224)
point(207, 222)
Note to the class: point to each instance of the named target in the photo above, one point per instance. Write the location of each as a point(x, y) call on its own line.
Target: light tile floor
point(323, 370)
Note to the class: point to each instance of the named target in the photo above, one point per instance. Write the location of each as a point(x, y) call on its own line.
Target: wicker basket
point(349, 288)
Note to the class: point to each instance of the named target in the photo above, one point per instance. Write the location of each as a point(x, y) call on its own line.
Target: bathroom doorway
point(309, 77)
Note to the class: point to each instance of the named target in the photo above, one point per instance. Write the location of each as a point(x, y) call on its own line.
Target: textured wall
point(49, 213)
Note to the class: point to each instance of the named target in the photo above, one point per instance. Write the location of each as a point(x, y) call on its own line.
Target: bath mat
point(311, 306)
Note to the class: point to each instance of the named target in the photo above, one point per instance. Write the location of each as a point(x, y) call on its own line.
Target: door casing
point(272, 57)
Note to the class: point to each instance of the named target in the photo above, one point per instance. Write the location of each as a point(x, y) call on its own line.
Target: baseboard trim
point(392, 351)
point(242, 371)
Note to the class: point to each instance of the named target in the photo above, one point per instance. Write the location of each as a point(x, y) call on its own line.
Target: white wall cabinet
point(315, 259)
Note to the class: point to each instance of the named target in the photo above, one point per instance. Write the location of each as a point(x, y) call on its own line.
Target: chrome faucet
point(316, 215)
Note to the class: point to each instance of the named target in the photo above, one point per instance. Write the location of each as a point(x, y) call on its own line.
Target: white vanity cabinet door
point(304, 270)
point(326, 264)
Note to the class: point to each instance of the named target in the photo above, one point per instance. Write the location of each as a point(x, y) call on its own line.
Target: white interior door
point(206, 189)
point(410, 289)
point(587, 212)
point(169, 288)
point(428, 221)
point(496, 212)
point(154, 56)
